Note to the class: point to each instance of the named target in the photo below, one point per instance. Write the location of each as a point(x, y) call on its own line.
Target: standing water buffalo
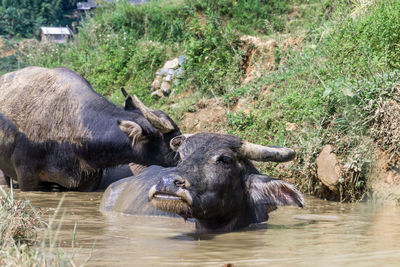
point(215, 183)
point(66, 133)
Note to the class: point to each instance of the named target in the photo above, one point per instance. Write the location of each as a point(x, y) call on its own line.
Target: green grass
point(124, 45)
point(330, 89)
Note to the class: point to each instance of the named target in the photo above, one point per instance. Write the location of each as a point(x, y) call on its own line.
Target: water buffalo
point(215, 183)
point(66, 133)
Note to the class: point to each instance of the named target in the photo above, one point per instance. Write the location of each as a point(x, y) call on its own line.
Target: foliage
point(19, 221)
point(249, 17)
point(8, 64)
point(368, 42)
point(24, 17)
point(124, 45)
point(212, 54)
point(330, 89)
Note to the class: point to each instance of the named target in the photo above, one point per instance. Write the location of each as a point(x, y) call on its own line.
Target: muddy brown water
point(322, 234)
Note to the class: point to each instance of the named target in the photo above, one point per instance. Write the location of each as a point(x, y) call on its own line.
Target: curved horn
point(162, 124)
point(266, 153)
point(124, 92)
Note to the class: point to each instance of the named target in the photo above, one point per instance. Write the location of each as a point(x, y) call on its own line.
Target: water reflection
point(322, 234)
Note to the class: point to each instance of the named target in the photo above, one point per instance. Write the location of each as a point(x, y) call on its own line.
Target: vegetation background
point(23, 18)
point(332, 76)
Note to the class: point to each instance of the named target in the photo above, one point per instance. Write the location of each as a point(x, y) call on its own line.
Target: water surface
point(321, 234)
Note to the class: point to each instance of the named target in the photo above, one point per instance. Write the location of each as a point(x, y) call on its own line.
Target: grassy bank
point(328, 85)
point(124, 45)
point(25, 238)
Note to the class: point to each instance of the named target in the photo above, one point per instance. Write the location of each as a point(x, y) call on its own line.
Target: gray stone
point(157, 94)
point(155, 85)
point(168, 78)
point(162, 72)
point(181, 60)
point(171, 64)
point(178, 72)
point(328, 168)
point(166, 88)
point(171, 72)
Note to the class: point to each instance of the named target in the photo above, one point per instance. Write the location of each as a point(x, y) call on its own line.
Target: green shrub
point(248, 17)
point(368, 42)
point(124, 44)
point(213, 60)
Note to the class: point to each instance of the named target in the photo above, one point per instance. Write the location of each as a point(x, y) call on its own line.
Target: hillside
point(318, 76)
point(23, 18)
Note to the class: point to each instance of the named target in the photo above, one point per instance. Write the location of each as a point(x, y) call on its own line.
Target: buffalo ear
point(176, 142)
point(269, 192)
point(128, 100)
point(132, 129)
point(129, 104)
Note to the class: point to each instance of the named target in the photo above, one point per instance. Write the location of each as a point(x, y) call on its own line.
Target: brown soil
point(259, 57)
point(386, 127)
point(293, 42)
point(385, 182)
point(244, 105)
point(210, 116)
point(294, 13)
point(385, 130)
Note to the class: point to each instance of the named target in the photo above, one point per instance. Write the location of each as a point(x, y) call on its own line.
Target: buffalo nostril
point(181, 183)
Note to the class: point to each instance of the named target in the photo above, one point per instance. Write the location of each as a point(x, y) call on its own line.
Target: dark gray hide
point(130, 195)
point(66, 133)
point(12, 142)
point(215, 183)
point(112, 175)
point(3, 179)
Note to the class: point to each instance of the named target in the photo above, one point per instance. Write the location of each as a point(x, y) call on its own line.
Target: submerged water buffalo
point(63, 132)
point(215, 184)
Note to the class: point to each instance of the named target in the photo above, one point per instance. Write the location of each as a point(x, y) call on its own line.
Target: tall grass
point(25, 238)
point(331, 88)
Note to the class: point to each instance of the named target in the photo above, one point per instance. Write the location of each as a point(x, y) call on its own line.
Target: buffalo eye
point(225, 160)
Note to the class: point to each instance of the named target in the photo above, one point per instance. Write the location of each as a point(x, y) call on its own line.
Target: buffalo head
point(216, 184)
point(150, 132)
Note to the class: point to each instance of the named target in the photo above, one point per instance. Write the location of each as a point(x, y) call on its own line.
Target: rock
point(178, 72)
point(156, 84)
point(166, 88)
point(163, 72)
point(328, 168)
point(168, 78)
point(157, 94)
point(181, 60)
point(171, 64)
point(166, 75)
